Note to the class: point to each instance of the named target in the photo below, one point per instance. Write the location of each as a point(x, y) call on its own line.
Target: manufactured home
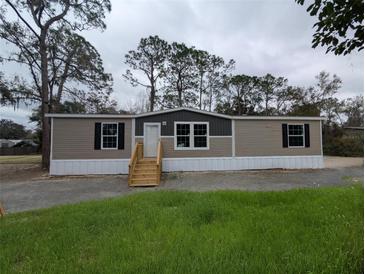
point(182, 139)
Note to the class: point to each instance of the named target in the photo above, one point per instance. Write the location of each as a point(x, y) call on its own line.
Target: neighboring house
point(191, 140)
point(17, 147)
point(6, 143)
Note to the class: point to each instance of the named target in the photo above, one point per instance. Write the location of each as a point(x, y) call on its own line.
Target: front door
point(151, 136)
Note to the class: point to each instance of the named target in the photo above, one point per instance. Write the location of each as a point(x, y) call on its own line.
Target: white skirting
point(120, 166)
point(84, 167)
point(242, 163)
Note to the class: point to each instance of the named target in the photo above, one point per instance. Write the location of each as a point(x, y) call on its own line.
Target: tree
point(340, 25)
point(180, 78)
point(271, 90)
point(240, 96)
point(72, 107)
point(217, 72)
point(332, 108)
point(99, 102)
point(9, 87)
point(150, 59)
point(39, 18)
point(211, 70)
point(72, 60)
point(201, 61)
point(12, 130)
point(354, 111)
point(140, 105)
point(318, 99)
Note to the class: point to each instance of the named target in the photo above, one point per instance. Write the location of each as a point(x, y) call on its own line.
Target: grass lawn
point(20, 159)
point(297, 231)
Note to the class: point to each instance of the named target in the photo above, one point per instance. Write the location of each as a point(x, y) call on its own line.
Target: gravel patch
point(26, 187)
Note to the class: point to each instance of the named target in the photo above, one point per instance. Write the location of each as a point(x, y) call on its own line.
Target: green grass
point(20, 159)
point(297, 231)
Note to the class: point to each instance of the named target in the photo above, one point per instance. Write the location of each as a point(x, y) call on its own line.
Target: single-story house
point(182, 139)
point(6, 143)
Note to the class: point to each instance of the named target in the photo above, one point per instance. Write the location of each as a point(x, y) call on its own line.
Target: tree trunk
point(153, 89)
point(180, 97)
point(201, 92)
point(179, 92)
point(239, 103)
point(152, 97)
point(45, 102)
point(56, 104)
point(210, 99)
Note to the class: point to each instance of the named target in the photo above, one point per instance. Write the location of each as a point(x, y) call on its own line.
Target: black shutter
point(285, 134)
point(306, 135)
point(120, 135)
point(97, 137)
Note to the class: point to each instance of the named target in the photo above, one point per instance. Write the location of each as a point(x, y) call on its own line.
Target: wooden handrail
point(159, 161)
point(159, 153)
point(136, 155)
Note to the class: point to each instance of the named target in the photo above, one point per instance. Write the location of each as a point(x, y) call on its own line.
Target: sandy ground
point(338, 162)
point(25, 187)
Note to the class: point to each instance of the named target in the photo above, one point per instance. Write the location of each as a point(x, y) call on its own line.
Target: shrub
point(344, 146)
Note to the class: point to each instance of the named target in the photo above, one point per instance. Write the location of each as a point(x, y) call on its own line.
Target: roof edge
point(130, 116)
point(184, 108)
point(306, 118)
point(71, 115)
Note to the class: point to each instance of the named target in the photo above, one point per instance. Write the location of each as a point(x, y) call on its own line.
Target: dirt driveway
point(25, 187)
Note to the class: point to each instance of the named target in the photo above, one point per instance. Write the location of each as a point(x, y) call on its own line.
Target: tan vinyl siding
point(264, 138)
point(218, 147)
point(74, 139)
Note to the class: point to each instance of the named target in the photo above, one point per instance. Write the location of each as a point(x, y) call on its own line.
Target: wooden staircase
point(145, 171)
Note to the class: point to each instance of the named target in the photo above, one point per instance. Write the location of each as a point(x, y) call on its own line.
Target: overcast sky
point(261, 36)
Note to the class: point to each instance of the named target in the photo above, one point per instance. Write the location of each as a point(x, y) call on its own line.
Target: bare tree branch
point(21, 18)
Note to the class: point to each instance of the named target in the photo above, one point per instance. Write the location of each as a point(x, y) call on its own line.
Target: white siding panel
point(120, 166)
point(84, 167)
point(241, 163)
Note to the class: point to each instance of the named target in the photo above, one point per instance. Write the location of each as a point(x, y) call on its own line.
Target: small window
point(200, 135)
point(296, 135)
point(193, 135)
point(109, 135)
point(183, 135)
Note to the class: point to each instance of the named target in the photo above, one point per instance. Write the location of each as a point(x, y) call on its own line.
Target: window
point(183, 135)
point(109, 136)
point(296, 135)
point(200, 135)
point(191, 135)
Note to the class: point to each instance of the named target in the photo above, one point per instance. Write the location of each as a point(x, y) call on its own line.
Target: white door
point(151, 136)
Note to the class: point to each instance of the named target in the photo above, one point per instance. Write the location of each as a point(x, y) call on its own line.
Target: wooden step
point(145, 176)
point(143, 182)
point(147, 160)
point(145, 167)
point(146, 164)
point(148, 171)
